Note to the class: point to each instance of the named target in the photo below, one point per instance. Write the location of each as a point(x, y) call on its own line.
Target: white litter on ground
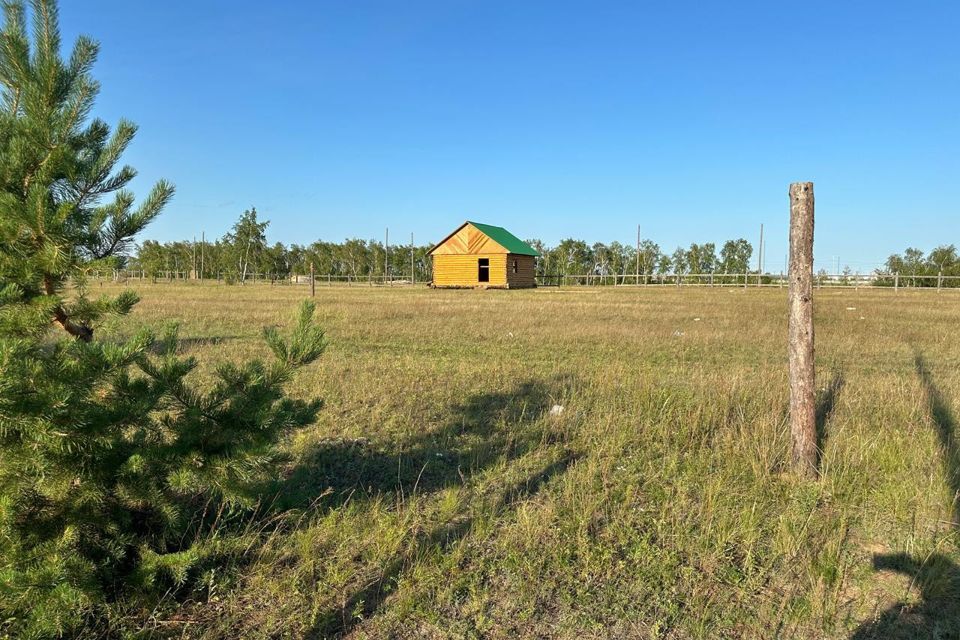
point(556, 410)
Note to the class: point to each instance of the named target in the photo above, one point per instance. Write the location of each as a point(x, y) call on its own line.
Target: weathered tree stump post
point(803, 427)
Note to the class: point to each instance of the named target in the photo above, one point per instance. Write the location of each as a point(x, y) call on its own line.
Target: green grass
point(436, 496)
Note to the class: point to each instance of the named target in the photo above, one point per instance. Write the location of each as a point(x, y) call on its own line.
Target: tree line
point(917, 269)
point(617, 260)
point(245, 251)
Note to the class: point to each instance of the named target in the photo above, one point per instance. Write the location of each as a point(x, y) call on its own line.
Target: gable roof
point(507, 240)
point(501, 236)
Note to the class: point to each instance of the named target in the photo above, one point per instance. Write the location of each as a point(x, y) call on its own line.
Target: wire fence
point(822, 280)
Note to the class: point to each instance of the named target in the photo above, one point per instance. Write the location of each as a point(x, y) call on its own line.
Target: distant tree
point(708, 258)
point(247, 242)
point(735, 256)
point(297, 258)
point(275, 261)
point(151, 257)
point(375, 258)
point(354, 256)
point(943, 259)
point(701, 258)
point(679, 261)
point(623, 259)
point(575, 257)
point(914, 264)
point(913, 261)
point(323, 255)
point(895, 264)
point(692, 259)
point(601, 259)
point(649, 256)
point(664, 264)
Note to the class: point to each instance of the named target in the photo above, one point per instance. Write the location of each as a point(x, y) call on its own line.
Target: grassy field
point(438, 496)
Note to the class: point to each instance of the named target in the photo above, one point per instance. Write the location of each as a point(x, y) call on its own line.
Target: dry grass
point(437, 497)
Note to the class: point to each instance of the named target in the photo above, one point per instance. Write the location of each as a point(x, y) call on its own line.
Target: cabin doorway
point(483, 270)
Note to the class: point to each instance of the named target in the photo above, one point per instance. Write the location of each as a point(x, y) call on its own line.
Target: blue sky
point(555, 119)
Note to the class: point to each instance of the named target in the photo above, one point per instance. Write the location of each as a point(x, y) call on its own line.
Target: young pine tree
point(105, 449)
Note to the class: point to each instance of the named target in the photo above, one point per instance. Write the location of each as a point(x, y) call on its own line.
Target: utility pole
point(638, 254)
point(763, 253)
point(413, 271)
point(193, 256)
point(760, 256)
point(803, 426)
point(386, 253)
point(203, 242)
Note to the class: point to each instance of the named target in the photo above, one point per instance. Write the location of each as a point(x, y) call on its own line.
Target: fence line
point(823, 280)
point(753, 280)
point(161, 277)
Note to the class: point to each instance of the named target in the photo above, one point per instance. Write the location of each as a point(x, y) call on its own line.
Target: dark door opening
point(483, 270)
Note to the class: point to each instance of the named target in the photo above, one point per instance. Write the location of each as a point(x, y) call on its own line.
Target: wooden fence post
point(896, 282)
point(313, 283)
point(803, 426)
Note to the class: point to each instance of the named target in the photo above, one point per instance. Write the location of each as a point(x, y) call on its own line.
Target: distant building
point(481, 255)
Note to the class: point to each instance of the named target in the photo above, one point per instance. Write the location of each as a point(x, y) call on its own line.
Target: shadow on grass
point(483, 430)
point(937, 615)
point(945, 424)
point(937, 577)
point(365, 602)
point(826, 403)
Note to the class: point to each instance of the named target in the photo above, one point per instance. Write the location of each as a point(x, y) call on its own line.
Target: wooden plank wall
point(461, 270)
point(525, 276)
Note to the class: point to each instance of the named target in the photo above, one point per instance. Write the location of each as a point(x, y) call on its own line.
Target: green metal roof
point(505, 239)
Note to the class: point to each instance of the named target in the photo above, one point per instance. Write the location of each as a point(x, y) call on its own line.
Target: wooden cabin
point(481, 255)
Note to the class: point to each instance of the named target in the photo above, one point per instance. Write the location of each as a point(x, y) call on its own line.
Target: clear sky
point(553, 118)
